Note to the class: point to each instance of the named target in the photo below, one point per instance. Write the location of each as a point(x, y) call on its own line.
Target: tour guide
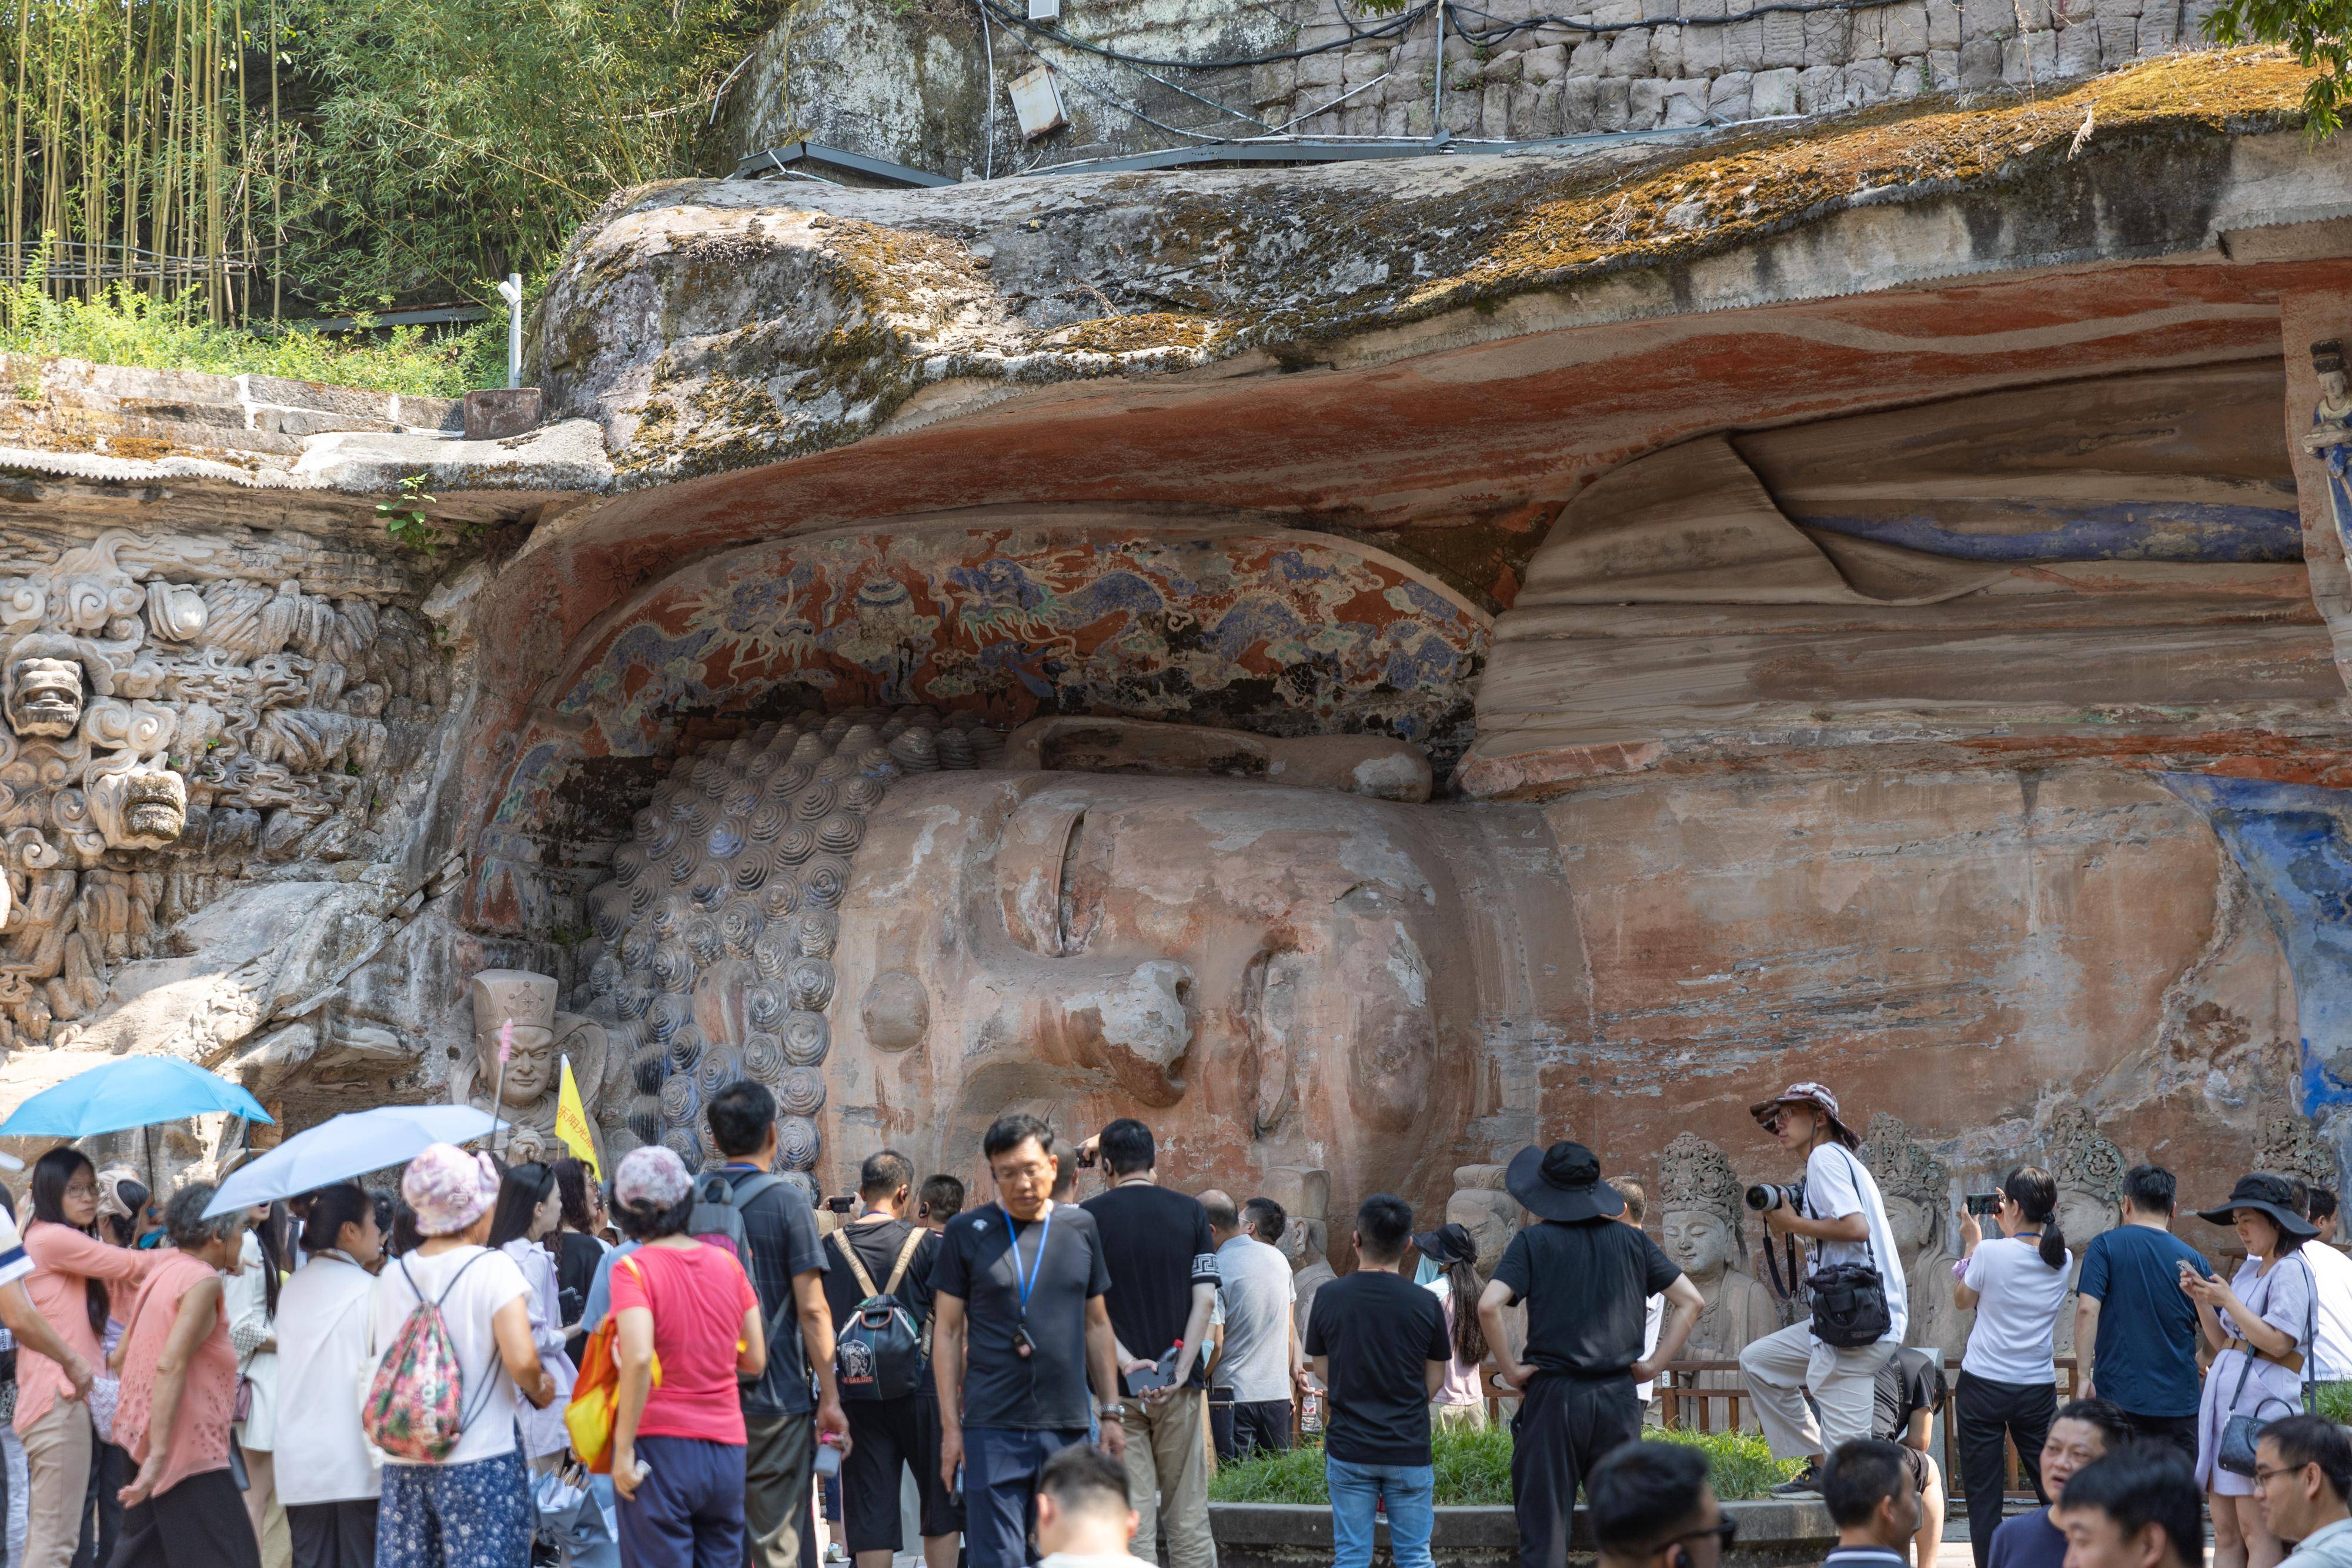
point(1847, 1220)
point(1586, 1280)
point(1025, 1277)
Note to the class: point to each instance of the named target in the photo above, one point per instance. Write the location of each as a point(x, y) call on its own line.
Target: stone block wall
point(911, 85)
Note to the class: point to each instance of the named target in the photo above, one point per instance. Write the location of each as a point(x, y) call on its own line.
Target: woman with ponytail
point(2016, 1282)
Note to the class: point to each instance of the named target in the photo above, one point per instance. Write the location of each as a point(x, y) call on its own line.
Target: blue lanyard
point(1027, 1282)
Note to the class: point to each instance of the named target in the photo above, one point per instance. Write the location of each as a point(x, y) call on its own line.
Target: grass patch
point(123, 327)
point(1475, 1468)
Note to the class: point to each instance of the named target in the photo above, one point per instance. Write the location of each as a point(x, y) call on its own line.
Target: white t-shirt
point(2332, 1322)
point(322, 1344)
point(1654, 1318)
point(1255, 1289)
point(1837, 1184)
point(2018, 1298)
point(484, 1282)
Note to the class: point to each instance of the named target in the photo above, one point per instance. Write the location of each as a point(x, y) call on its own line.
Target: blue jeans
point(1358, 1490)
point(1000, 1489)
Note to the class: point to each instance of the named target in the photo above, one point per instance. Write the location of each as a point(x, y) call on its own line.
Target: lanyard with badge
point(1022, 1345)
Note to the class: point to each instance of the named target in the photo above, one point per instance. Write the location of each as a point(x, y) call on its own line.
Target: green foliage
point(124, 326)
point(408, 523)
point(1739, 1464)
point(492, 129)
point(1474, 1466)
point(2318, 33)
point(2333, 1400)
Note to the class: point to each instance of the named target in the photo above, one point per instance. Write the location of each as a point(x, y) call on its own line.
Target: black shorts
point(1920, 1467)
point(885, 1434)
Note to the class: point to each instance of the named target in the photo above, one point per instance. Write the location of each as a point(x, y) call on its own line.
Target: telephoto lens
point(1765, 1196)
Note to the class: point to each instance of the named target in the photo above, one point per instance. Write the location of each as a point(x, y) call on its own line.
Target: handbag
point(2240, 1434)
point(595, 1406)
point(1850, 1308)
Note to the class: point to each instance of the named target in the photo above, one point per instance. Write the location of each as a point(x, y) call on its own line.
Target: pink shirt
point(207, 1400)
point(64, 1258)
point(697, 1296)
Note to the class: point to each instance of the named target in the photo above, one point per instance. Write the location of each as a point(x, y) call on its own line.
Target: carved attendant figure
point(1917, 1189)
point(525, 1091)
point(1700, 1194)
point(2089, 1169)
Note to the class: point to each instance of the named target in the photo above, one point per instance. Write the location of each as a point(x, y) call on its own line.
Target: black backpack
point(879, 1353)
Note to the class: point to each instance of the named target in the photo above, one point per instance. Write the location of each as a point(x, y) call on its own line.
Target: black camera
point(1765, 1196)
point(841, 1204)
point(1983, 1203)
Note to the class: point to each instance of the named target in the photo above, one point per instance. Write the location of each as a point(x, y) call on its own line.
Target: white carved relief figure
point(162, 733)
point(1917, 1190)
point(1699, 1203)
point(2089, 1170)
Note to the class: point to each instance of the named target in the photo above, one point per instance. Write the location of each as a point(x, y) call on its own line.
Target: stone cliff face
point(1595, 637)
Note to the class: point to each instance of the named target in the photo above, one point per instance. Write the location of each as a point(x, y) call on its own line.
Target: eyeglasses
point(2262, 1476)
point(1724, 1534)
point(81, 1190)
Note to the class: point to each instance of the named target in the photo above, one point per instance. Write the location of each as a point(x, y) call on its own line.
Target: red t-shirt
point(697, 1296)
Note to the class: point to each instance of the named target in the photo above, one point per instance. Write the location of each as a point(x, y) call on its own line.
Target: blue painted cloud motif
point(2294, 843)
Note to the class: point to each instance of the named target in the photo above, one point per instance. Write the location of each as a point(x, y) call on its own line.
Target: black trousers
point(2181, 1431)
point(1241, 1427)
point(333, 1534)
point(1985, 1413)
point(1565, 1427)
point(200, 1523)
point(110, 1470)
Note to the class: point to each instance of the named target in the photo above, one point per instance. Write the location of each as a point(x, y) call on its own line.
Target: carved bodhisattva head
point(45, 697)
point(1914, 1184)
point(1699, 1202)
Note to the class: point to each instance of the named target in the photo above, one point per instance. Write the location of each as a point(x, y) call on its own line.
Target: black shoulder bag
point(2241, 1433)
point(1850, 1306)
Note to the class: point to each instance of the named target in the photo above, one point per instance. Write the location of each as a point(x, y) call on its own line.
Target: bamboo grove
point(250, 159)
point(142, 147)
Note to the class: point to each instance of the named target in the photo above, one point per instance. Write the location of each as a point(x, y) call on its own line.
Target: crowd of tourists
point(515, 1363)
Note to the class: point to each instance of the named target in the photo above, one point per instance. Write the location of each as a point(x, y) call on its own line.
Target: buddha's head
point(1699, 1196)
point(1274, 970)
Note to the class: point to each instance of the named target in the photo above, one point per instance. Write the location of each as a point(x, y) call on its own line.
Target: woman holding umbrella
point(72, 1286)
point(323, 1346)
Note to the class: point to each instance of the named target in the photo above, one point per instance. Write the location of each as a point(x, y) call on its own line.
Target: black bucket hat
point(2266, 1195)
point(1449, 1243)
point(1562, 1182)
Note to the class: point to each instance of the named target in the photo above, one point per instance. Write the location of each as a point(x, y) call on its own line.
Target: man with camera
point(1856, 1291)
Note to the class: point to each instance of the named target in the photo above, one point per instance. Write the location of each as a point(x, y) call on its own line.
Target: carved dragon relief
point(156, 727)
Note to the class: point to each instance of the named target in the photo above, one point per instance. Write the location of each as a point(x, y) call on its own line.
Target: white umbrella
point(351, 1145)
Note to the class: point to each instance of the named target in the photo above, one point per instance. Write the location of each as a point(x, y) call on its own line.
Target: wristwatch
point(1116, 1410)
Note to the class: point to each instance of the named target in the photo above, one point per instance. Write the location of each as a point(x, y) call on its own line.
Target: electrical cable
point(1486, 38)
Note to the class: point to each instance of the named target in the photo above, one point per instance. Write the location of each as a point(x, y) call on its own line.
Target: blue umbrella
point(129, 1092)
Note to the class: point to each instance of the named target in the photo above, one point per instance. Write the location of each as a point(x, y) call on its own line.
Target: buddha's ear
point(1353, 763)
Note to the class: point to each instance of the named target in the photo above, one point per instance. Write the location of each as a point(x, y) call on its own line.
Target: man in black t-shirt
point(787, 1268)
point(1586, 1281)
point(1911, 1389)
point(886, 1435)
point(1163, 1276)
point(1379, 1346)
point(1018, 1291)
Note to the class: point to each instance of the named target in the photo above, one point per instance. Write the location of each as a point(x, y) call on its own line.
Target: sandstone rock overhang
point(719, 325)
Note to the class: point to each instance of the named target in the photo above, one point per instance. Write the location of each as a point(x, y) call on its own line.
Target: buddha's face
point(1265, 973)
point(45, 697)
point(530, 1066)
point(1698, 1239)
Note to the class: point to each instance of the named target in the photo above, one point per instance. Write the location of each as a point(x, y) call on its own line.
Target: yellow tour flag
point(571, 1123)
